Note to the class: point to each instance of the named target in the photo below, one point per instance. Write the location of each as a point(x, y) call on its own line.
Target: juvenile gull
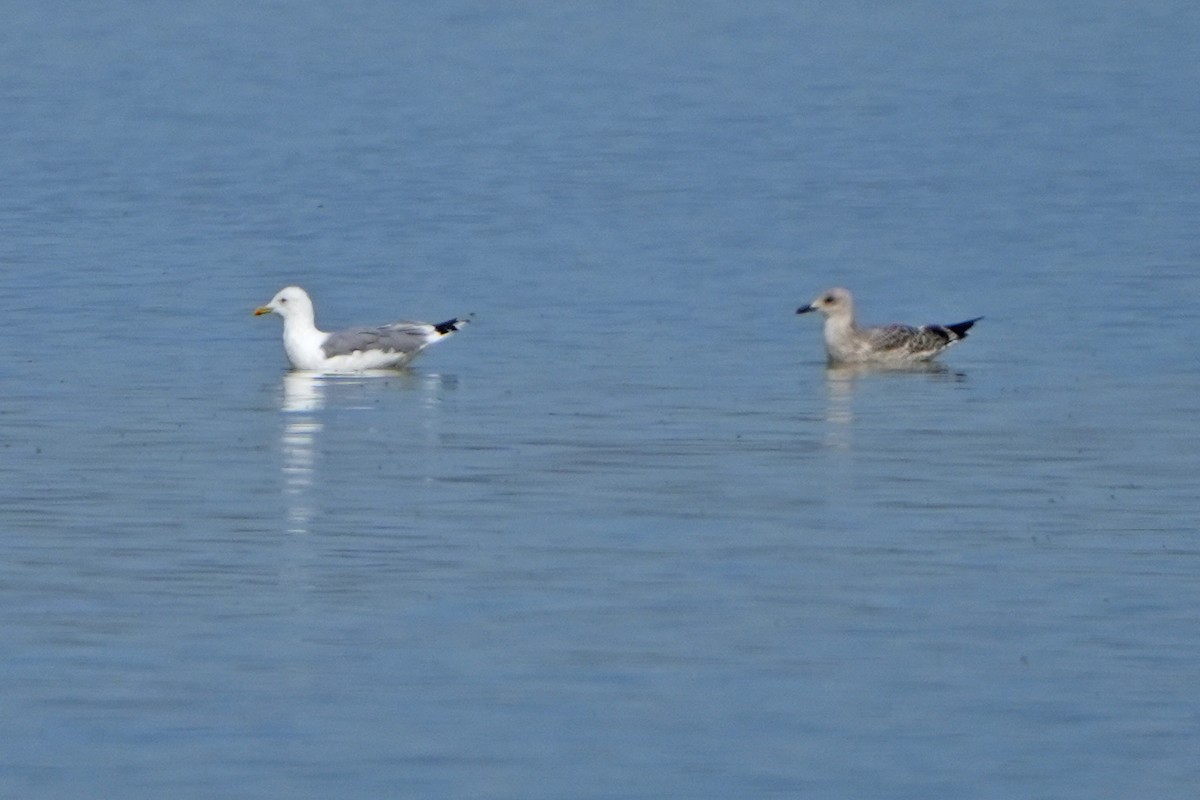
point(352, 350)
point(847, 343)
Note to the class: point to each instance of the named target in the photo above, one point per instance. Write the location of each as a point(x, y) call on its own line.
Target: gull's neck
point(299, 321)
point(840, 335)
point(301, 339)
point(840, 322)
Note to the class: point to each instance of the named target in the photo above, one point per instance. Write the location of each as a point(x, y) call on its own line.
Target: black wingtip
point(960, 329)
point(452, 325)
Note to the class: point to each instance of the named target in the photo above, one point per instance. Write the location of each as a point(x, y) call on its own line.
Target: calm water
point(626, 536)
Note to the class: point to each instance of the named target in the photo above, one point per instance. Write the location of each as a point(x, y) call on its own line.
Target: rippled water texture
point(626, 536)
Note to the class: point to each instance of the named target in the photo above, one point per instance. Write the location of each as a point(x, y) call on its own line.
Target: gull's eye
point(283, 299)
point(828, 299)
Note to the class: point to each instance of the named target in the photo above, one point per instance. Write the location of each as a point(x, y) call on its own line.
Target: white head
point(291, 301)
point(831, 302)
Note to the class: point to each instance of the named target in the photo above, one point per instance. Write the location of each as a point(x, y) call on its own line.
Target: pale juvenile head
point(290, 301)
point(831, 302)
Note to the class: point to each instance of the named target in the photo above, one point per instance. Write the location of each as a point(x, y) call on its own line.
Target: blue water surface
point(625, 536)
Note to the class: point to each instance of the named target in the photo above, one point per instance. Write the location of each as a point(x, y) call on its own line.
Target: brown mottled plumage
point(847, 343)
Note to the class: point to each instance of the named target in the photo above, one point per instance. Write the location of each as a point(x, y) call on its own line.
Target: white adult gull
point(353, 350)
point(894, 345)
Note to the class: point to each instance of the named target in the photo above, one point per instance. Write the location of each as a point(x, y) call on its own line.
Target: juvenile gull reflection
point(839, 411)
point(841, 380)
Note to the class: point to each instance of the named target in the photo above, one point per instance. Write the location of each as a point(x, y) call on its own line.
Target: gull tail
point(959, 329)
point(452, 325)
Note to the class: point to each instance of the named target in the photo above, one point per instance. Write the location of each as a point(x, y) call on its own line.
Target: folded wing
point(907, 340)
point(399, 337)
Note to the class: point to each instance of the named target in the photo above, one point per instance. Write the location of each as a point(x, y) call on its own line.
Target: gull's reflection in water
point(303, 399)
point(306, 396)
point(841, 380)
